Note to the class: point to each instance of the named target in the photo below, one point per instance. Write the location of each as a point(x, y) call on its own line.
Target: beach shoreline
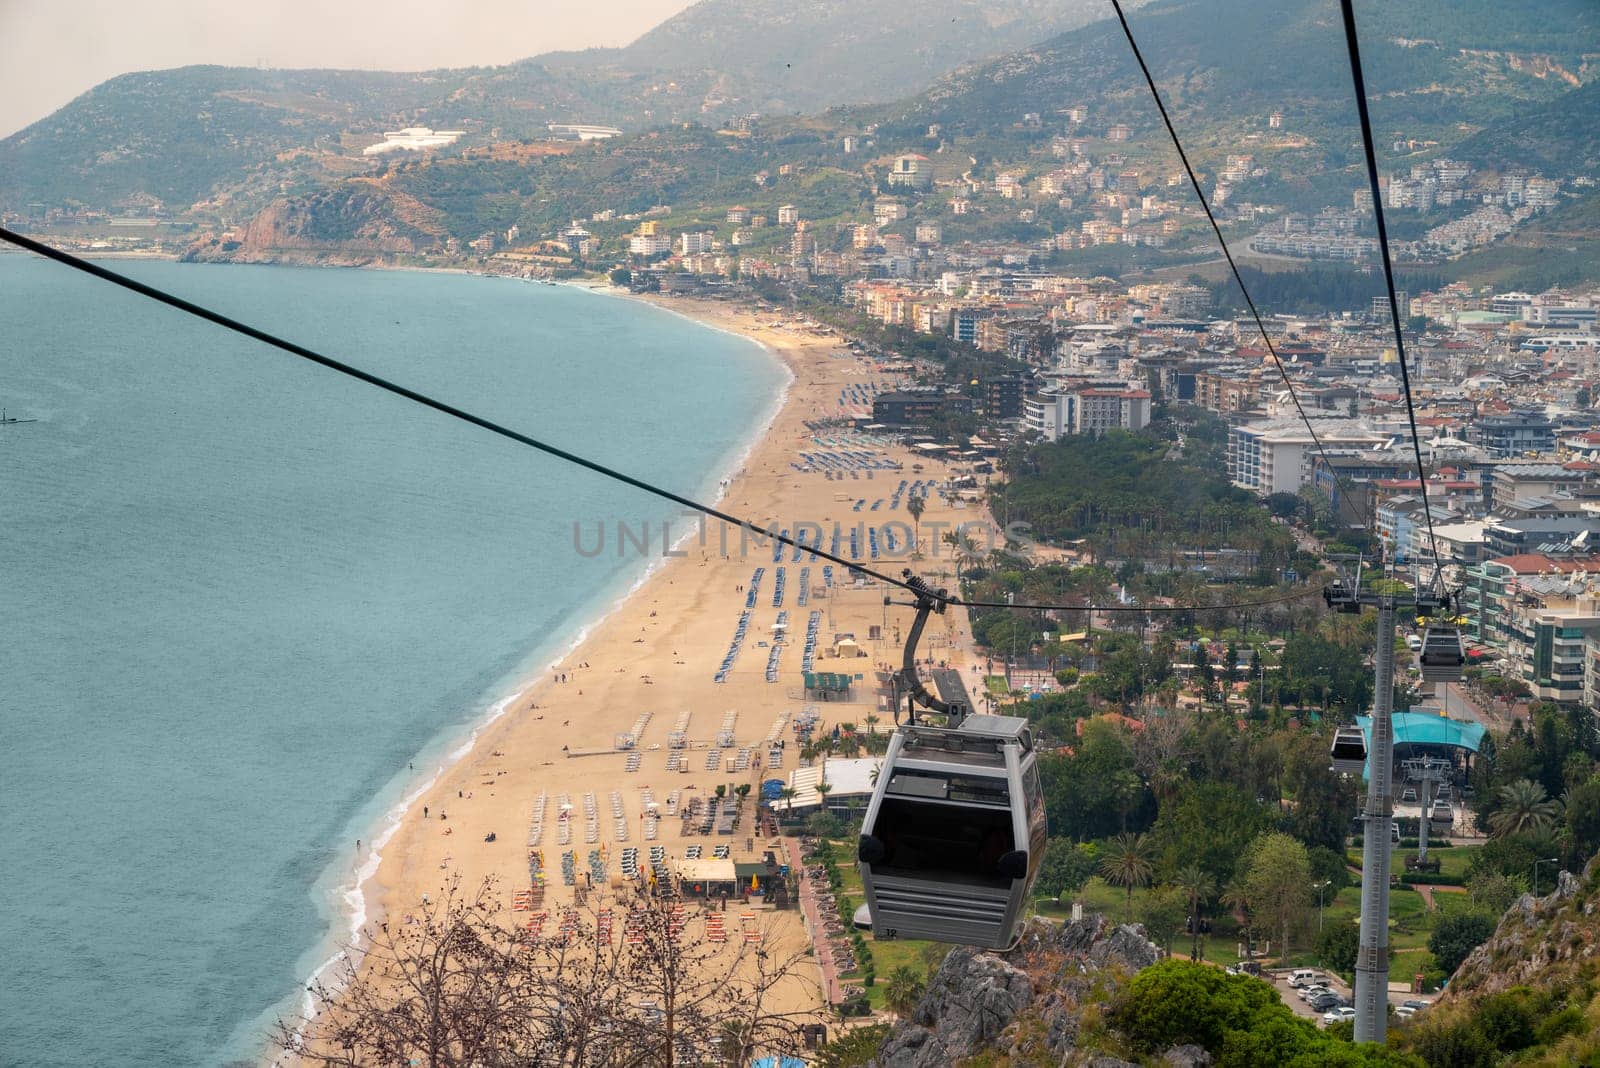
point(360, 909)
point(667, 632)
point(356, 903)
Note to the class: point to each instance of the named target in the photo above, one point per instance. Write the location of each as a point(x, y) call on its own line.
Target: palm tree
point(1125, 786)
point(788, 794)
point(965, 551)
point(1524, 808)
point(1196, 884)
point(904, 989)
point(1237, 897)
point(914, 505)
point(1125, 862)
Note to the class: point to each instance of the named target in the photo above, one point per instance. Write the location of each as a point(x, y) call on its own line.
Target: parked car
point(1306, 977)
point(1325, 1001)
point(1415, 1006)
point(1309, 992)
point(1342, 1012)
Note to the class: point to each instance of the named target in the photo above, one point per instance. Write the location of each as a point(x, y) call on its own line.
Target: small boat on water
point(7, 420)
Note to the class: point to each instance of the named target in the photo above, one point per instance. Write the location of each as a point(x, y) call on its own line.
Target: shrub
point(1457, 935)
point(1569, 1021)
point(1506, 1020)
point(1175, 1002)
point(1459, 1044)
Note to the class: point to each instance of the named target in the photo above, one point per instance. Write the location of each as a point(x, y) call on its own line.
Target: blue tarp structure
point(778, 1062)
point(1427, 728)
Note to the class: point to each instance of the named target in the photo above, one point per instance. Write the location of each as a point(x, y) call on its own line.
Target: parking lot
point(1398, 994)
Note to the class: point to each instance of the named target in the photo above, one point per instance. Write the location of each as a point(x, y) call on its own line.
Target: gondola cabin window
point(957, 825)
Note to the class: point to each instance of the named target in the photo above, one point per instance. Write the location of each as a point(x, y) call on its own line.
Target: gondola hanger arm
point(908, 681)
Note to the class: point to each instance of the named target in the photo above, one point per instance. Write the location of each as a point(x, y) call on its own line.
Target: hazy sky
point(52, 50)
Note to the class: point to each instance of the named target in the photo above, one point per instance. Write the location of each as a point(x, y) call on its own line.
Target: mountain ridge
point(113, 146)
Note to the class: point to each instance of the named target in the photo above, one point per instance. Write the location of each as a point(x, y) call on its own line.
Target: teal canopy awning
point(1427, 728)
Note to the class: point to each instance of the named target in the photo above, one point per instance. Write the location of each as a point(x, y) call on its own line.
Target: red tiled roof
point(1115, 718)
point(1533, 563)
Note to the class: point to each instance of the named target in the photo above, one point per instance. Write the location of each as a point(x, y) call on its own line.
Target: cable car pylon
point(1372, 958)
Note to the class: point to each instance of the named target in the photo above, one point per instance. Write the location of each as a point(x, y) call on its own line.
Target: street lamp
point(1546, 860)
point(1319, 888)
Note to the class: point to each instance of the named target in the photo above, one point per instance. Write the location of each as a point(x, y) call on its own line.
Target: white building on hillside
point(649, 244)
point(695, 242)
point(413, 139)
point(577, 131)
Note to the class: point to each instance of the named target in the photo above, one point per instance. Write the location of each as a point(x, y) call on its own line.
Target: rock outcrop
point(1539, 939)
point(1028, 1004)
point(972, 998)
point(358, 223)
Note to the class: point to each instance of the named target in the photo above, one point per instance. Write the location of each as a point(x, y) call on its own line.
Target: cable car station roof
point(1428, 729)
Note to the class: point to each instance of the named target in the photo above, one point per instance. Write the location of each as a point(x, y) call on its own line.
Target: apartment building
point(1275, 457)
point(1543, 615)
point(1087, 409)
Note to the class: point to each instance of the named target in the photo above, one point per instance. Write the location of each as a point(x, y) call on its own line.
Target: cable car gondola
point(1442, 657)
point(1349, 753)
point(954, 834)
point(955, 831)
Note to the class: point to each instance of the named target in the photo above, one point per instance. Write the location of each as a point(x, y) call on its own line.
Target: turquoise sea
point(240, 597)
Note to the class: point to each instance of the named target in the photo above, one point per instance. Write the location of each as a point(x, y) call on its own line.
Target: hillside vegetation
point(174, 136)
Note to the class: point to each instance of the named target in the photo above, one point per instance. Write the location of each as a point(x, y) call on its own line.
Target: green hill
point(1438, 70)
point(177, 135)
point(1559, 136)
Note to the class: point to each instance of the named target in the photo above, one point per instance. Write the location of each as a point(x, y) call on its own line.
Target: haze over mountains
point(1500, 89)
point(174, 135)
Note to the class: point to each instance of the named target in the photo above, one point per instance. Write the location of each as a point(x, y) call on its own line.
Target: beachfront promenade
point(815, 919)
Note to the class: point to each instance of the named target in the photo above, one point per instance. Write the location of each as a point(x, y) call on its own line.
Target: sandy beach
point(650, 669)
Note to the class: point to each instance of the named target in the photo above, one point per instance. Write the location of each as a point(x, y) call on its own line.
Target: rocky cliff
point(359, 222)
point(1528, 995)
point(1035, 1005)
point(1541, 941)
